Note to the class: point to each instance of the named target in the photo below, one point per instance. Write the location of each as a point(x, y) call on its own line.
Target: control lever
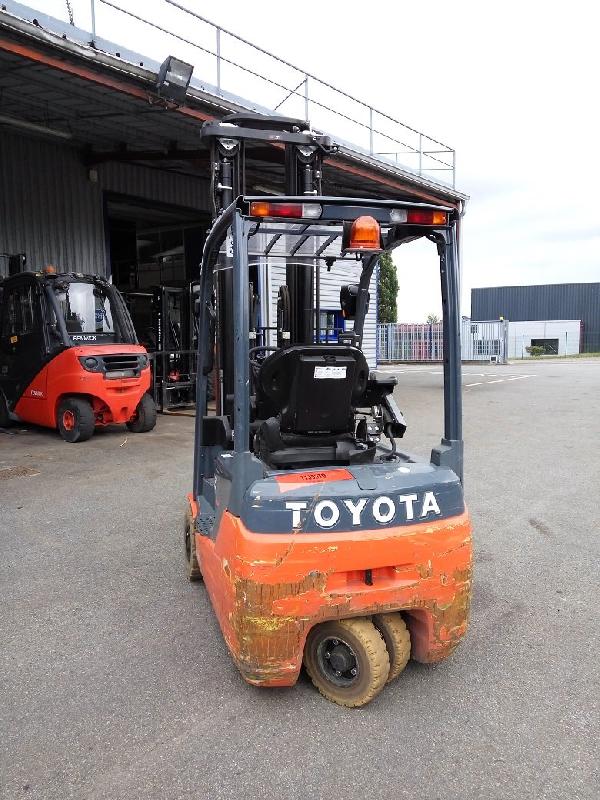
point(394, 423)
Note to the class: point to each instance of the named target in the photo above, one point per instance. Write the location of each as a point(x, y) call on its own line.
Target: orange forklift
point(319, 540)
point(69, 356)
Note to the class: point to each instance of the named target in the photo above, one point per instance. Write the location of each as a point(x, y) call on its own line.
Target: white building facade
point(557, 337)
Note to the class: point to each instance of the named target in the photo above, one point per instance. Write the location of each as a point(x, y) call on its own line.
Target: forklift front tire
point(191, 562)
point(347, 661)
point(144, 418)
point(76, 420)
point(397, 641)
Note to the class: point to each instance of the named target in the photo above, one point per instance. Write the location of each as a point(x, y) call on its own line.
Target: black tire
point(5, 420)
point(397, 641)
point(76, 420)
point(144, 418)
point(191, 562)
point(347, 661)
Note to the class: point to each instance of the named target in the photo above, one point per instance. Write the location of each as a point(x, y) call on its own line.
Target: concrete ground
point(116, 683)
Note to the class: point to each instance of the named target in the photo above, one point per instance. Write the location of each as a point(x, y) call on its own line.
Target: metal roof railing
point(234, 66)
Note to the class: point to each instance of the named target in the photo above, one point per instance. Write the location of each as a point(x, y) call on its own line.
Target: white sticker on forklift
point(330, 372)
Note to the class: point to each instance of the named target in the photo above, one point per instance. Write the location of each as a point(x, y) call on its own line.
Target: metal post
point(454, 169)
point(370, 130)
point(93, 5)
point(318, 301)
point(452, 363)
point(306, 97)
point(206, 279)
point(450, 451)
point(240, 336)
point(218, 57)
point(246, 468)
point(420, 153)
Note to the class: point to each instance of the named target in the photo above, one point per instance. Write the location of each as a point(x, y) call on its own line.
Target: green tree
point(387, 289)
point(432, 319)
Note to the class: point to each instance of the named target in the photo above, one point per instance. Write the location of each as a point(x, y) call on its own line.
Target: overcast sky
point(513, 87)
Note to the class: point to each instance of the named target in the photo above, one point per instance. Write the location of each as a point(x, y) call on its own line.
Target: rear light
point(398, 215)
point(362, 236)
point(425, 216)
point(264, 208)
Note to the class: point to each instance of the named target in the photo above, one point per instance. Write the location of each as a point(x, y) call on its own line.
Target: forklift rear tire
point(144, 418)
point(397, 641)
point(191, 562)
point(347, 661)
point(76, 420)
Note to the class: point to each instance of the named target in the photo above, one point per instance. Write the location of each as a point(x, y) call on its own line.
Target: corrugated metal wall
point(50, 210)
point(155, 184)
point(561, 301)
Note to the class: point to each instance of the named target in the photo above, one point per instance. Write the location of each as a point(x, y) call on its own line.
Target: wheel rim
point(338, 662)
point(68, 420)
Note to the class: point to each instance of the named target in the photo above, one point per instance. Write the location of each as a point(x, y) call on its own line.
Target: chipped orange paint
point(268, 590)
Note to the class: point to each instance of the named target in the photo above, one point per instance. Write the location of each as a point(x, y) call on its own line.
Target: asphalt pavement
point(116, 683)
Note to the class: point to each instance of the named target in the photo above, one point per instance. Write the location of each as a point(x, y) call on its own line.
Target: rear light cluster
point(263, 208)
point(418, 216)
point(410, 216)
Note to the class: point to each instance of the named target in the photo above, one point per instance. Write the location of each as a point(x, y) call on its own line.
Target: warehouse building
point(101, 173)
point(577, 303)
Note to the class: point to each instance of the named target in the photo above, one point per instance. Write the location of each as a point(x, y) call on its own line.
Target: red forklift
point(69, 356)
point(321, 542)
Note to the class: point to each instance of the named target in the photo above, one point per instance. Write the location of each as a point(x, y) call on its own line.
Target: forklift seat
point(305, 401)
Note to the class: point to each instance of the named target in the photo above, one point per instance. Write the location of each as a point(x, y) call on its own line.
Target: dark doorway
point(152, 245)
point(155, 253)
point(550, 346)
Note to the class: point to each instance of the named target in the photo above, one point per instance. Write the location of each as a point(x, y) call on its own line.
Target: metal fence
point(480, 341)
point(230, 66)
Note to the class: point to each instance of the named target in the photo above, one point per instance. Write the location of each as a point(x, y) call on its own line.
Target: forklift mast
point(303, 153)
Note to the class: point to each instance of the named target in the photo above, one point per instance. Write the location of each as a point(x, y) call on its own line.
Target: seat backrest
point(312, 387)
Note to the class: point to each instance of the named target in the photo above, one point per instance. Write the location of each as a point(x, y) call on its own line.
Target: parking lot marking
point(500, 380)
point(479, 383)
point(519, 377)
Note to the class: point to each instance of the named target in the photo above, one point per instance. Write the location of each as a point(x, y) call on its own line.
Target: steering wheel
point(261, 348)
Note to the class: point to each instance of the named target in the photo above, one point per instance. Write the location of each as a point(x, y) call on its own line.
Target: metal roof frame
point(57, 46)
